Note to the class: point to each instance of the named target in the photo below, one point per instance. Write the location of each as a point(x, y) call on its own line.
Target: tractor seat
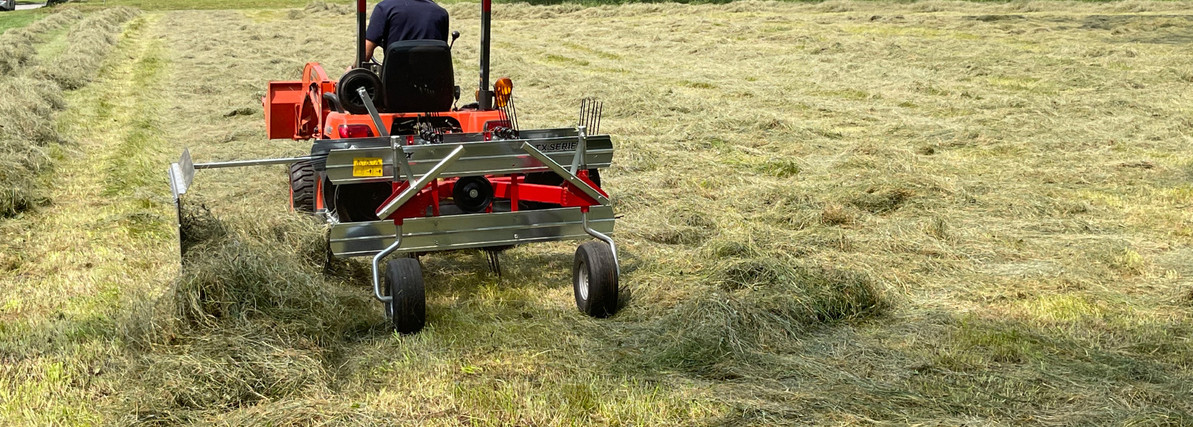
point(417, 77)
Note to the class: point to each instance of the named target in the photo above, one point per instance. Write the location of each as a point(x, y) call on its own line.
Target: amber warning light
point(504, 88)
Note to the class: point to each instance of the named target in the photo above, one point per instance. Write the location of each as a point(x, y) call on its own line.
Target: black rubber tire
point(302, 186)
point(350, 99)
point(594, 279)
point(408, 308)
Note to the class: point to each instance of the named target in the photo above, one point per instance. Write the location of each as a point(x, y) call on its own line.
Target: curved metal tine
point(596, 129)
point(376, 266)
point(602, 237)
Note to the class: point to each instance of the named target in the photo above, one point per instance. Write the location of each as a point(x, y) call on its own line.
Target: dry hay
point(329, 8)
point(785, 176)
point(757, 305)
point(89, 41)
point(28, 107)
point(17, 45)
point(30, 98)
point(251, 319)
point(28, 130)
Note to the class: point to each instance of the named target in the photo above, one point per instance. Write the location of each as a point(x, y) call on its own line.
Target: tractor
point(398, 169)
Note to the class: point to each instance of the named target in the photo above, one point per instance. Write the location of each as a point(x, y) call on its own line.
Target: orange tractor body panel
point(296, 110)
point(281, 109)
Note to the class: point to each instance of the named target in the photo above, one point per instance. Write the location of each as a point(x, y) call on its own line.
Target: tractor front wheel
point(302, 186)
point(594, 279)
point(408, 306)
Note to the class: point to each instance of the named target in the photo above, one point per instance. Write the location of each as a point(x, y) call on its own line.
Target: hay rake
point(397, 170)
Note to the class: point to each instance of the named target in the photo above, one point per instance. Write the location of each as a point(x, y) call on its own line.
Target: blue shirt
point(397, 20)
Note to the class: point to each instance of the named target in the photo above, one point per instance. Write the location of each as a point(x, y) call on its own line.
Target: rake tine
point(591, 104)
point(600, 114)
point(497, 263)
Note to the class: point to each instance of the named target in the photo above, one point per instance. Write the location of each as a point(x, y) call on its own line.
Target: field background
point(833, 213)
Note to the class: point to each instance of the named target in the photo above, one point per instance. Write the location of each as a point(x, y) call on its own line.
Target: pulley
point(473, 194)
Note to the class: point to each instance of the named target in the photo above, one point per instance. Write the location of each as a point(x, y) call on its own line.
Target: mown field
point(835, 213)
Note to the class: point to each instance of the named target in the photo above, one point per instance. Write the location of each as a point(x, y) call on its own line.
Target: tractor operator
point(397, 20)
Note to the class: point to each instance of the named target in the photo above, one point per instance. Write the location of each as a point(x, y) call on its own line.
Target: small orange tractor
point(397, 169)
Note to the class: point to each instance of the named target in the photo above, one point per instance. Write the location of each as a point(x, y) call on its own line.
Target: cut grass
point(17, 45)
point(34, 95)
point(837, 213)
point(62, 289)
point(201, 4)
point(89, 42)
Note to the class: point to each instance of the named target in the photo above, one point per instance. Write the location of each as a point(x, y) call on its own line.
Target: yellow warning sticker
point(367, 166)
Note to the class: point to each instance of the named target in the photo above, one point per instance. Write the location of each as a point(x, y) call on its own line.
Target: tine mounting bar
point(255, 162)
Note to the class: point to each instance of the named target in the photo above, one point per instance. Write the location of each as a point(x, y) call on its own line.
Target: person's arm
point(375, 33)
point(369, 48)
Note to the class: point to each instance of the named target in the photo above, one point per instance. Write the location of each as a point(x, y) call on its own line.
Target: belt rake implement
point(397, 170)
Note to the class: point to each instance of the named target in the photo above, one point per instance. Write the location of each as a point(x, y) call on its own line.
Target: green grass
point(20, 18)
point(838, 213)
point(202, 4)
point(269, 4)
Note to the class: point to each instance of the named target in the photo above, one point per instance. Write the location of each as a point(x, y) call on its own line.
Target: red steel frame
point(296, 110)
point(507, 187)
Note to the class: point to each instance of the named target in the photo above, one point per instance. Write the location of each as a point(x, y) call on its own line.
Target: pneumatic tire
point(408, 307)
point(356, 78)
point(302, 186)
point(594, 279)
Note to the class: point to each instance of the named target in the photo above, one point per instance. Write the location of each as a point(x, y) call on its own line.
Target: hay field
point(834, 213)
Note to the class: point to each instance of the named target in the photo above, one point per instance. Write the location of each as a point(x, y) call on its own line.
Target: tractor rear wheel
point(302, 186)
point(408, 307)
point(594, 279)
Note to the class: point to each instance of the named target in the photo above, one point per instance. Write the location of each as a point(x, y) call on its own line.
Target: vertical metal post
point(484, 95)
point(581, 149)
point(360, 33)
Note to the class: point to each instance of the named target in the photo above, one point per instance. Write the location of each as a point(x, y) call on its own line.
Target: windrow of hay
point(89, 41)
point(27, 108)
point(29, 100)
point(754, 303)
point(251, 318)
point(883, 162)
point(332, 8)
point(17, 45)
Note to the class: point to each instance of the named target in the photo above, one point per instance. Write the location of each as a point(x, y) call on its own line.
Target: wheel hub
point(582, 281)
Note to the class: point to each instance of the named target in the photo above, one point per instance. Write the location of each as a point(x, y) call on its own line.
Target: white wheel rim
point(582, 281)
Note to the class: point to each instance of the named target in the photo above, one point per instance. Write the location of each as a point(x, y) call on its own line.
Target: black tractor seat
point(417, 77)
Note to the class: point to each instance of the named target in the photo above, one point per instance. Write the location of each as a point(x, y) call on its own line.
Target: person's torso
point(414, 20)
